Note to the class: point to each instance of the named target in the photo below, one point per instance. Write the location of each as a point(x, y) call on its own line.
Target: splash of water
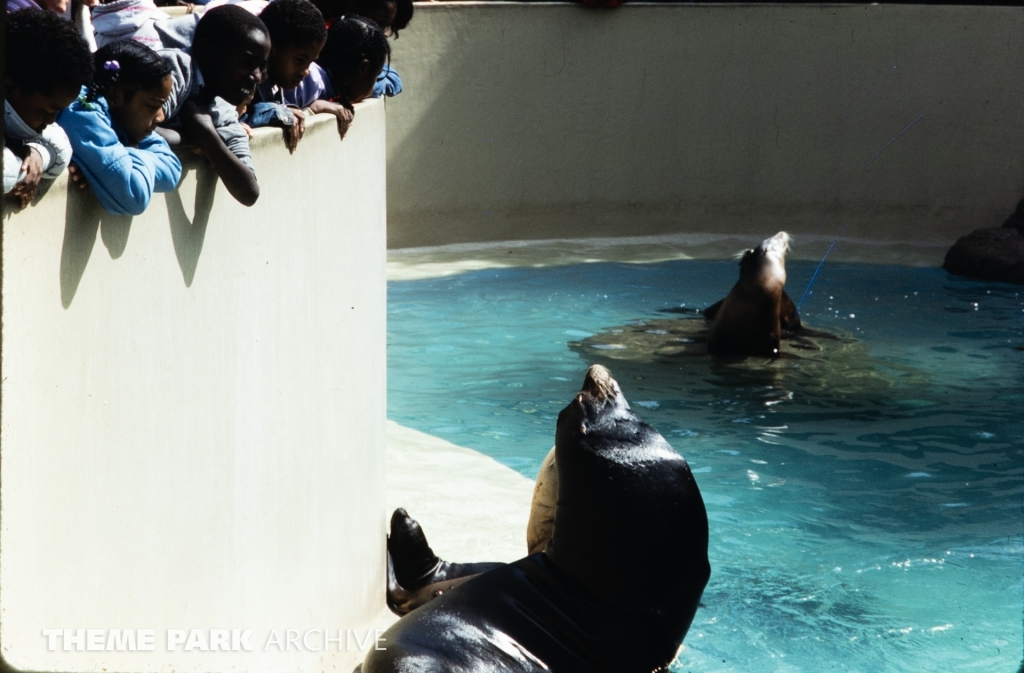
point(807, 290)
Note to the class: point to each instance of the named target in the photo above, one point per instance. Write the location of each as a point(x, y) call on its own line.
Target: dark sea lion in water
point(617, 585)
point(757, 312)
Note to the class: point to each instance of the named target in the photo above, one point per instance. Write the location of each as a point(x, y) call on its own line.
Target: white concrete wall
point(192, 430)
point(544, 121)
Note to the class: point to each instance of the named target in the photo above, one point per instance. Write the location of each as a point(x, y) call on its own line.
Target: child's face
point(37, 109)
point(139, 112)
point(288, 66)
point(359, 85)
point(234, 73)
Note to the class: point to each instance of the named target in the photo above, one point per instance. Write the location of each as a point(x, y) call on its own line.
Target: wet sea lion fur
point(617, 585)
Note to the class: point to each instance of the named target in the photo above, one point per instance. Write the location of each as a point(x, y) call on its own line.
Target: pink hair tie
point(112, 66)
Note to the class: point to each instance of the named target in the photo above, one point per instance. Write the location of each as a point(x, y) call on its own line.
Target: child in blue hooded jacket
point(111, 129)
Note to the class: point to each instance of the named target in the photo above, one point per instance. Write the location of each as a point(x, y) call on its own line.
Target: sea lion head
point(598, 405)
point(766, 264)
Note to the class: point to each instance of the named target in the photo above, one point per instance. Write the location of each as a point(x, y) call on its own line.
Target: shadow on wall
point(81, 221)
point(84, 216)
point(188, 234)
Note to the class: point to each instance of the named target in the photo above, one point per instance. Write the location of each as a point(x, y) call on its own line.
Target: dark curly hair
point(403, 15)
point(128, 64)
point(43, 52)
point(375, 10)
point(225, 27)
point(294, 23)
point(350, 40)
point(330, 9)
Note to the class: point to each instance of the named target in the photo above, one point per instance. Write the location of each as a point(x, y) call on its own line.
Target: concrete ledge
point(446, 260)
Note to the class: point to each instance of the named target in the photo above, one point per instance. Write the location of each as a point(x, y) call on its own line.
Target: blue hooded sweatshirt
point(123, 178)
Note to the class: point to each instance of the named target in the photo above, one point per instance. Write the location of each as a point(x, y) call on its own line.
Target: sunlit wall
point(193, 418)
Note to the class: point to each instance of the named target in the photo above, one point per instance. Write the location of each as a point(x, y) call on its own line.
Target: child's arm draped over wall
point(225, 143)
point(221, 71)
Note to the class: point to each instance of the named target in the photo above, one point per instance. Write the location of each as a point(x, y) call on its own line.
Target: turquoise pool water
point(866, 504)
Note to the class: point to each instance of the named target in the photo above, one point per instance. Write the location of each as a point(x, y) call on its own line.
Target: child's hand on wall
point(293, 134)
point(345, 117)
point(32, 167)
point(342, 113)
point(23, 194)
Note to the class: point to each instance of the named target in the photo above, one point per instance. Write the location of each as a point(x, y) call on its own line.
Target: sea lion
point(756, 313)
point(416, 575)
point(618, 583)
point(541, 524)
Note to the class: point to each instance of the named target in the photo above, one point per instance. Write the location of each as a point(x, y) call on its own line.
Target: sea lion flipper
point(397, 598)
point(789, 318)
point(415, 563)
point(711, 311)
point(402, 601)
point(542, 511)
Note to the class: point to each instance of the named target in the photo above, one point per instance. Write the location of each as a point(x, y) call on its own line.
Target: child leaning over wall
point(47, 63)
point(111, 127)
point(297, 35)
point(220, 71)
point(346, 71)
point(391, 15)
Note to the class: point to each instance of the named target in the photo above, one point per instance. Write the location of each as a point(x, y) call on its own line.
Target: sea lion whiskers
point(600, 384)
point(779, 240)
point(774, 250)
point(599, 400)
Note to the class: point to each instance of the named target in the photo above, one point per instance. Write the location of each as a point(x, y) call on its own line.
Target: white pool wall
point(192, 430)
point(890, 124)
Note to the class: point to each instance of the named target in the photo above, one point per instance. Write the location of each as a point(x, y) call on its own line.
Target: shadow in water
point(672, 353)
point(188, 234)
